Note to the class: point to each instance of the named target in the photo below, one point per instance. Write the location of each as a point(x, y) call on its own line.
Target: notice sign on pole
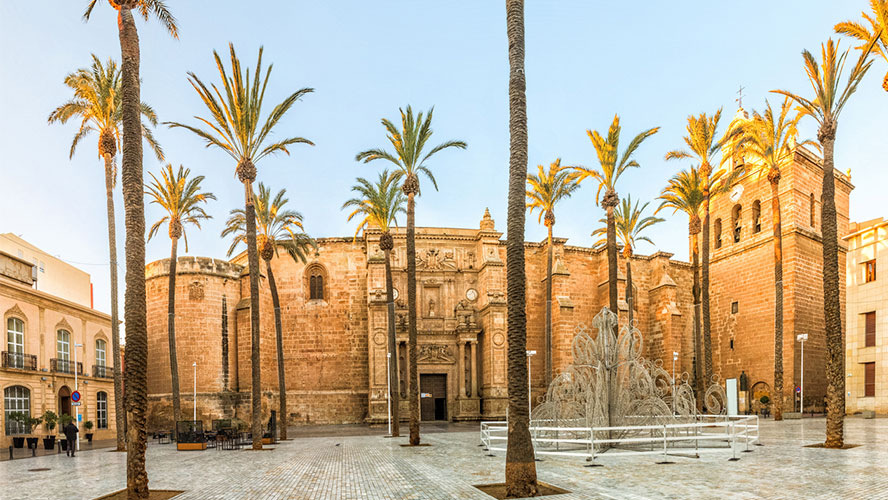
point(75, 403)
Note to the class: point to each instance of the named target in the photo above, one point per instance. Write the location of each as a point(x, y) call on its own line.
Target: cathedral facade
point(334, 314)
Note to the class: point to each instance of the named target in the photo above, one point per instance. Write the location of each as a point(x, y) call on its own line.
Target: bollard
point(34, 451)
point(10, 452)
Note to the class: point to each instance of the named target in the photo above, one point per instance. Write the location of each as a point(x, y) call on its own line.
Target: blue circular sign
point(75, 396)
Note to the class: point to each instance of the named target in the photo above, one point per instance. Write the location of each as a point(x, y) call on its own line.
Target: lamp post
point(802, 337)
point(674, 359)
point(194, 416)
point(76, 408)
point(529, 407)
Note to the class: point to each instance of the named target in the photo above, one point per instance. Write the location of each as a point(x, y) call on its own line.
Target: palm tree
point(97, 105)
point(629, 226)
point(180, 197)
point(545, 190)
point(830, 98)
point(612, 167)
point(879, 23)
point(276, 229)
point(685, 192)
point(134, 313)
point(410, 161)
point(704, 148)
point(379, 204)
point(521, 476)
point(768, 145)
point(234, 127)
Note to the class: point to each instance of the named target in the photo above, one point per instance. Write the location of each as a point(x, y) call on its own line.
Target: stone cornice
point(47, 301)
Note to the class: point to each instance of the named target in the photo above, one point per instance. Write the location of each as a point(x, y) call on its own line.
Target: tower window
point(735, 306)
point(316, 287)
point(736, 222)
point(718, 233)
point(811, 206)
point(756, 216)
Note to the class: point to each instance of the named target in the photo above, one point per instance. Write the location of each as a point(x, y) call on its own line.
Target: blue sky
point(652, 62)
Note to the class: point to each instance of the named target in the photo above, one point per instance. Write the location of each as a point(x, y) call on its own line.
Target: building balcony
point(103, 371)
point(19, 361)
point(65, 366)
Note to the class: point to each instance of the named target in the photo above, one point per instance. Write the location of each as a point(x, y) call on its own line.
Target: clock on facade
point(471, 294)
point(394, 293)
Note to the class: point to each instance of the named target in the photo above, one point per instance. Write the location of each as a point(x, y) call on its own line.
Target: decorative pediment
point(64, 325)
point(15, 310)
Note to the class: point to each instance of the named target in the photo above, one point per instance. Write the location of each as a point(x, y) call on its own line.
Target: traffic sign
point(80, 417)
point(76, 403)
point(75, 396)
point(798, 389)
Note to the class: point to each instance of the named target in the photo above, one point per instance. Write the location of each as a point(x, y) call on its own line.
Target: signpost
point(802, 337)
point(75, 397)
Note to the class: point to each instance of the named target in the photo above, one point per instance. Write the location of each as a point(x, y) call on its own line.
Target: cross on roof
point(739, 99)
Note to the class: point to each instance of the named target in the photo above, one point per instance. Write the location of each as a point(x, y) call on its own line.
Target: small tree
point(49, 421)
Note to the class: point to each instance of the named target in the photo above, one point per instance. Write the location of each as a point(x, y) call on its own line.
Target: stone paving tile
point(375, 468)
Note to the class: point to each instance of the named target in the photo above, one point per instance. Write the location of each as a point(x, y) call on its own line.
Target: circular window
point(472, 294)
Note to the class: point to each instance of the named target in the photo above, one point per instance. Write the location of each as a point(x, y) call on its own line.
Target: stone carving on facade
point(470, 259)
point(496, 297)
point(435, 353)
point(465, 314)
point(433, 259)
point(196, 290)
point(377, 295)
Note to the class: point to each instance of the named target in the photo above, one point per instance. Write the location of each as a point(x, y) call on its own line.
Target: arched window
point(100, 352)
point(756, 216)
point(15, 343)
point(718, 233)
point(316, 276)
point(16, 399)
point(102, 410)
point(811, 205)
point(63, 345)
point(736, 222)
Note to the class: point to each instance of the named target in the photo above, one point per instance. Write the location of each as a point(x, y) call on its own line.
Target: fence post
point(733, 449)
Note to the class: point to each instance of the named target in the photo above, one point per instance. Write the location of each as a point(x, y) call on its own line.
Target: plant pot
point(89, 437)
point(49, 443)
point(18, 442)
point(32, 443)
point(64, 443)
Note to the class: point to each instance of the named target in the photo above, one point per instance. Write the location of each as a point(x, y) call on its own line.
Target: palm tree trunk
point(629, 297)
point(835, 360)
point(135, 305)
point(413, 385)
point(119, 413)
point(253, 263)
point(707, 338)
point(778, 304)
point(394, 390)
point(171, 334)
point(549, 311)
point(612, 260)
point(698, 368)
point(521, 477)
point(279, 339)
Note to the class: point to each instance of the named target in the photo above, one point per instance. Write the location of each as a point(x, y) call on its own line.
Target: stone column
point(461, 369)
point(474, 362)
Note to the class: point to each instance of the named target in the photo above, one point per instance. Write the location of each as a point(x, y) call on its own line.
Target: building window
point(735, 306)
point(16, 399)
point(15, 342)
point(102, 410)
point(736, 222)
point(63, 345)
point(811, 206)
point(870, 329)
point(718, 233)
point(100, 352)
point(869, 271)
point(316, 275)
point(869, 382)
point(756, 216)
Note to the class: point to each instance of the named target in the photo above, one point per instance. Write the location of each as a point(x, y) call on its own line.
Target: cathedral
point(334, 314)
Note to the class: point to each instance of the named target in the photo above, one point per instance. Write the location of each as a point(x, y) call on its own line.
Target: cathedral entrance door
point(433, 396)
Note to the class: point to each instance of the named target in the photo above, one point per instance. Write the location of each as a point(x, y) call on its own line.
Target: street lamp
point(76, 408)
point(674, 359)
point(802, 337)
point(194, 416)
point(529, 407)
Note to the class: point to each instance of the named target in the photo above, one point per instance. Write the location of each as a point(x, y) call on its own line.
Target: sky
point(653, 63)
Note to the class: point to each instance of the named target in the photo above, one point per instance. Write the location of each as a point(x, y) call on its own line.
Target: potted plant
point(49, 423)
point(764, 400)
point(64, 420)
point(88, 425)
point(19, 418)
point(32, 422)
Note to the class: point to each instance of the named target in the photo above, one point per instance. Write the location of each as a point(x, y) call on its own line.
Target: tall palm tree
point(768, 145)
point(97, 105)
point(704, 147)
point(235, 126)
point(180, 197)
point(629, 226)
point(276, 229)
point(879, 24)
point(521, 476)
point(611, 167)
point(685, 192)
point(830, 97)
point(545, 190)
point(134, 313)
point(379, 204)
point(410, 159)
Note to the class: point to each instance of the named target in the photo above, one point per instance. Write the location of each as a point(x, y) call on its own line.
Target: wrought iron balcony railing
point(103, 371)
point(19, 361)
point(65, 366)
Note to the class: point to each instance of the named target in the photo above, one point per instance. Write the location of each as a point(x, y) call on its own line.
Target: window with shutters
point(315, 280)
point(869, 382)
point(870, 329)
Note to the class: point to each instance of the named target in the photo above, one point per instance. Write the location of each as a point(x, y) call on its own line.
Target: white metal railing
point(707, 434)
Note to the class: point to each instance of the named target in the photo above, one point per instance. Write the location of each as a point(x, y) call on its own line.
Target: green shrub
point(49, 421)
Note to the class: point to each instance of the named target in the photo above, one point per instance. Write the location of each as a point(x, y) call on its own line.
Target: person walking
point(71, 431)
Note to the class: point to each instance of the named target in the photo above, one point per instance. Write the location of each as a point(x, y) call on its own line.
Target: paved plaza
point(373, 467)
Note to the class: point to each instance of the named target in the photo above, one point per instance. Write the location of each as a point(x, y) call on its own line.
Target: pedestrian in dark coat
point(71, 431)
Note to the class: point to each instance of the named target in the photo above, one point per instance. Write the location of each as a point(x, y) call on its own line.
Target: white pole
point(802, 386)
point(194, 417)
point(76, 442)
point(529, 407)
point(388, 389)
point(674, 359)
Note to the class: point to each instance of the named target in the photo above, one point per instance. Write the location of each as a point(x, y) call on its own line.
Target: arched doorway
point(758, 391)
point(64, 400)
